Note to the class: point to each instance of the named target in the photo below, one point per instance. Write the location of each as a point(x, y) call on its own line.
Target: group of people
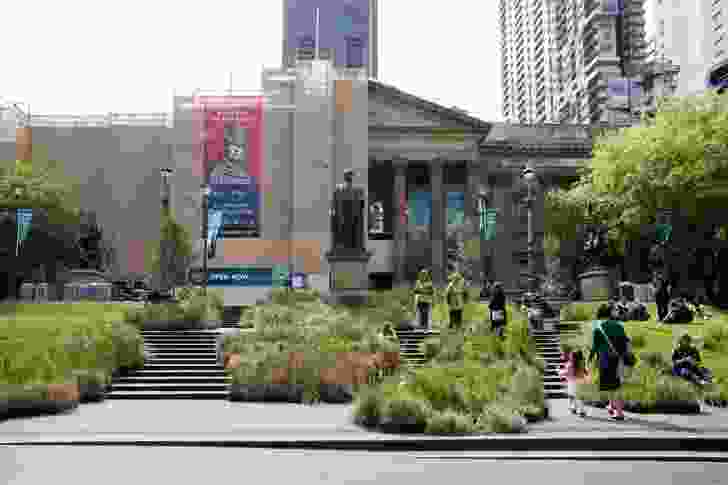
point(456, 295)
point(612, 349)
point(680, 308)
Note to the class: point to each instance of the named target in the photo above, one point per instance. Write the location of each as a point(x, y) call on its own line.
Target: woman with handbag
point(613, 348)
point(497, 306)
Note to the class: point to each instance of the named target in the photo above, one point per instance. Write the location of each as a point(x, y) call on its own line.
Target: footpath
point(222, 423)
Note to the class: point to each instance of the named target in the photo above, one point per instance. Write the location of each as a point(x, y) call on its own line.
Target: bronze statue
point(347, 215)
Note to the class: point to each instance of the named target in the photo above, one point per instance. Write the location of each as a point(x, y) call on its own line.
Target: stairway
point(409, 346)
point(231, 316)
point(548, 343)
point(183, 366)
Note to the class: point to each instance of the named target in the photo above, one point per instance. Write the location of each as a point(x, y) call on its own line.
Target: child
point(575, 372)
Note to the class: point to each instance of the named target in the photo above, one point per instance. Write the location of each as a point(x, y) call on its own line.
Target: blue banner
point(24, 218)
point(420, 208)
point(240, 277)
point(455, 208)
point(237, 199)
point(214, 223)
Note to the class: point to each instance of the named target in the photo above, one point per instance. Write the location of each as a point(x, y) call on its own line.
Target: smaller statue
point(376, 218)
point(595, 246)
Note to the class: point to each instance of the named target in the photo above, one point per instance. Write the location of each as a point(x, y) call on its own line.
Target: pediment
point(389, 106)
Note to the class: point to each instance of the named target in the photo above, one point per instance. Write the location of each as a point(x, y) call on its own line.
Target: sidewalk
point(329, 426)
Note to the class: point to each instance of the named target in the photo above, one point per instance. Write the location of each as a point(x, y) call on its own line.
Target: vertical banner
point(420, 213)
point(232, 160)
point(455, 209)
point(24, 143)
point(24, 218)
point(488, 224)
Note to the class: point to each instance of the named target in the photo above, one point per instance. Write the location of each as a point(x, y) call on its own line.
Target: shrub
point(368, 408)
point(656, 360)
point(638, 337)
point(500, 418)
point(670, 388)
point(574, 312)
point(715, 336)
point(449, 422)
point(407, 412)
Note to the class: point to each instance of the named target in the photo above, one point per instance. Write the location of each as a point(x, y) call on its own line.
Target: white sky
point(93, 57)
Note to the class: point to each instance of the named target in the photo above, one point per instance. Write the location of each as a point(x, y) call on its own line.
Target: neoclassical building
point(407, 152)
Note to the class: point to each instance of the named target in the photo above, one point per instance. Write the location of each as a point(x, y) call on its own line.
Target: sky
point(90, 57)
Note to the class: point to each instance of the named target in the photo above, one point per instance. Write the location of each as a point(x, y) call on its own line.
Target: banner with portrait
point(231, 138)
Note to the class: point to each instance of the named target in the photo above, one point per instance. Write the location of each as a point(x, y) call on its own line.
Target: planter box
point(290, 393)
point(92, 392)
point(60, 398)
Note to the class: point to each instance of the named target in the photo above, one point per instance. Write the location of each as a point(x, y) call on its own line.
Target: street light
point(164, 249)
point(205, 191)
point(529, 177)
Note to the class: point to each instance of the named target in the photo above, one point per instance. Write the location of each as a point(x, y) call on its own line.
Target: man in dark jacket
point(662, 298)
point(497, 306)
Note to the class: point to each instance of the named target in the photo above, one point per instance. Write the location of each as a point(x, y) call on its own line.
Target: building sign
point(236, 198)
point(240, 277)
point(343, 28)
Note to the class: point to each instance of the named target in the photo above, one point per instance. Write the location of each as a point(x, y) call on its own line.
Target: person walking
point(575, 372)
point(497, 307)
point(612, 347)
point(662, 298)
point(456, 296)
point(424, 296)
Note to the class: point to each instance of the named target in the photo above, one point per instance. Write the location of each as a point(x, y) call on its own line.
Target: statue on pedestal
point(595, 246)
point(347, 216)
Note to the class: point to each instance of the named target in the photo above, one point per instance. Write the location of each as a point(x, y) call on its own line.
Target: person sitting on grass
point(686, 362)
point(679, 312)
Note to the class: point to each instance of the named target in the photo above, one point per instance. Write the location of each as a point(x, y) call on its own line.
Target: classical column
point(473, 255)
point(399, 226)
point(437, 229)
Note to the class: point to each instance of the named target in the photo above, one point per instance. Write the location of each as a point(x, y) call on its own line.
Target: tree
point(676, 160)
point(41, 185)
point(95, 250)
point(172, 267)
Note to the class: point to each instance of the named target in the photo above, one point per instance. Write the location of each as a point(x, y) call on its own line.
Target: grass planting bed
point(53, 356)
point(649, 386)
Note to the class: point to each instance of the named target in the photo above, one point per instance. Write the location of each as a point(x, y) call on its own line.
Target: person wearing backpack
point(456, 296)
point(612, 347)
point(424, 297)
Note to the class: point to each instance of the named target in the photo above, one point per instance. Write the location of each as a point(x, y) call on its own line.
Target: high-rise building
point(345, 30)
point(563, 60)
point(691, 34)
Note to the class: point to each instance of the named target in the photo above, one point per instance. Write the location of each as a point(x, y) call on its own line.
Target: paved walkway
point(188, 417)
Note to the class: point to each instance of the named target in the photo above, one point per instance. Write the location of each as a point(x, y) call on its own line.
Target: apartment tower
point(563, 58)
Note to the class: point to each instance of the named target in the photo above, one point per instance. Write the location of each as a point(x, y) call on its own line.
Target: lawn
point(652, 337)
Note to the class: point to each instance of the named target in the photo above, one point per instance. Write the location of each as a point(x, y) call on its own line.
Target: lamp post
point(529, 177)
point(205, 191)
point(164, 244)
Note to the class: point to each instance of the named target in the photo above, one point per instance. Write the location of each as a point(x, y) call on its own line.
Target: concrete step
point(171, 365)
point(166, 386)
point(168, 395)
point(173, 379)
point(181, 372)
point(555, 395)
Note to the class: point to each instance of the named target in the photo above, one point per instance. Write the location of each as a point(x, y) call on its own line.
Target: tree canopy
point(673, 160)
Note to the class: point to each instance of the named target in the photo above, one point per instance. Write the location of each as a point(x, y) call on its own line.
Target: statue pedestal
point(595, 284)
point(348, 276)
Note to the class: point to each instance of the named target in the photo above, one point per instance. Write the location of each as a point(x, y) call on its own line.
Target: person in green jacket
point(456, 295)
point(424, 295)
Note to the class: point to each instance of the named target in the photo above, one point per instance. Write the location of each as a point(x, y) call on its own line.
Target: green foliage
point(578, 313)
point(179, 241)
point(50, 350)
point(667, 162)
point(715, 336)
point(449, 423)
